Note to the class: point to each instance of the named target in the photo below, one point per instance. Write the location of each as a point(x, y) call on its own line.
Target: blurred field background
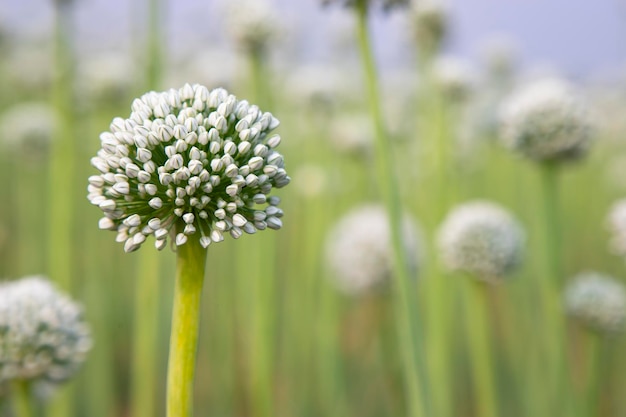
point(278, 338)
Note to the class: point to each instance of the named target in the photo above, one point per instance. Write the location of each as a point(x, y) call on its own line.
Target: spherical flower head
point(482, 239)
point(386, 5)
point(599, 301)
point(453, 77)
point(29, 126)
point(252, 23)
point(430, 22)
point(359, 251)
point(188, 163)
point(617, 225)
point(546, 121)
point(43, 336)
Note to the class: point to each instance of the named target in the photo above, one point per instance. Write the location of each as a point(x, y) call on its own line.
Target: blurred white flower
point(617, 225)
point(430, 20)
point(253, 24)
point(546, 121)
point(359, 251)
point(453, 77)
point(598, 300)
point(28, 127)
point(43, 336)
point(482, 239)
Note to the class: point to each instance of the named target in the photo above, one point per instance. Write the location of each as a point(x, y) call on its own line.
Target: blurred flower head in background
point(28, 128)
point(359, 252)
point(252, 24)
point(616, 221)
point(482, 239)
point(188, 162)
point(430, 20)
point(43, 336)
point(598, 300)
point(546, 121)
point(453, 77)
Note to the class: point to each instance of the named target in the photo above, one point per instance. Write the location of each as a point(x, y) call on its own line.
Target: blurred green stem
point(145, 334)
point(554, 332)
point(190, 266)
point(405, 305)
point(480, 349)
point(22, 396)
point(598, 360)
point(440, 300)
point(62, 174)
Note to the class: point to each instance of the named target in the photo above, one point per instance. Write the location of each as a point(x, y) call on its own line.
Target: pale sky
point(578, 37)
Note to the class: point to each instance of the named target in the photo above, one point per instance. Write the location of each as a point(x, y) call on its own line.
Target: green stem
point(597, 358)
point(554, 331)
point(62, 175)
point(145, 335)
point(405, 304)
point(62, 154)
point(22, 396)
point(153, 67)
point(258, 78)
point(440, 300)
point(480, 349)
point(190, 265)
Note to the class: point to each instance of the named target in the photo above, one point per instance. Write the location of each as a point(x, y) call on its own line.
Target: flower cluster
point(617, 225)
point(546, 121)
point(43, 337)
point(597, 300)
point(430, 22)
point(252, 24)
point(188, 162)
point(453, 77)
point(359, 250)
point(481, 238)
point(28, 125)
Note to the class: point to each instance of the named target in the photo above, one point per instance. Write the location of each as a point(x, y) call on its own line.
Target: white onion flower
point(43, 336)
point(359, 251)
point(597, 300)
point(188, 162)
point(430, 21)
point(482, 239)
point(546, 121)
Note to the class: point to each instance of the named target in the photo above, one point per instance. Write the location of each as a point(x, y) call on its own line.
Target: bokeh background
point(278, 336)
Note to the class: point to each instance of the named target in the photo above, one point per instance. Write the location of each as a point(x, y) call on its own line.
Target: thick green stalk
point(190, 265)
point(477, 325)
point(22, 399)
point(405, 305)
